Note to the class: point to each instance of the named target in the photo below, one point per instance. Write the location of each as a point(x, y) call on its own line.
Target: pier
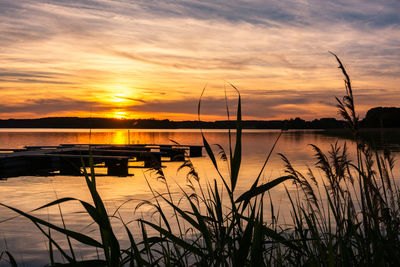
point(69, 159)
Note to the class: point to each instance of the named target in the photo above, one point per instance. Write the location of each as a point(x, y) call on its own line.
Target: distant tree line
point(382, 117)
point(375, 118)
point(74, 122)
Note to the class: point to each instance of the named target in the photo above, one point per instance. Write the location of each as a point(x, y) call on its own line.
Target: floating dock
point(68, 159)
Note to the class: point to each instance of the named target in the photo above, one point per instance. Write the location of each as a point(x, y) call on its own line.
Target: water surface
point(29, 246)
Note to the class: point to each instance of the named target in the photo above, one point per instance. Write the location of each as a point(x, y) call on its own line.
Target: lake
point(30, 247)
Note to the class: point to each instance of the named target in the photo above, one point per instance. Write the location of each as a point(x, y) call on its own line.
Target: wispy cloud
point(161, 53)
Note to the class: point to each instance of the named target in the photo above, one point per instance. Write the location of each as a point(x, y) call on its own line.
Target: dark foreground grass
point(348, 217)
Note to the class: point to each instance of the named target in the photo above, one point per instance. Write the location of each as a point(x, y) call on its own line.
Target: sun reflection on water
point(120, 137)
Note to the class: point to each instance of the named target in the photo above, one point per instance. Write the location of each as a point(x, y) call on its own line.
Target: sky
point(152, 59)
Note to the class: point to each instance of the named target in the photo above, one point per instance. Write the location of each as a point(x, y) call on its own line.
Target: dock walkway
point(68, 159)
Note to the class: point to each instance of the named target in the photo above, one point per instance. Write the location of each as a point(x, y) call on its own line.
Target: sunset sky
point(151, 59)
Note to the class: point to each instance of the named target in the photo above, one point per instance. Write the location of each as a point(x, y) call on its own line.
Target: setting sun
point(119, 115)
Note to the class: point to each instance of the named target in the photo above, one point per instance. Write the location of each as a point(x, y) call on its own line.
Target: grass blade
point(248, 195)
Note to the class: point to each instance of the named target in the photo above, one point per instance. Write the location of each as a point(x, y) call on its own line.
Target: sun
point(119, 115)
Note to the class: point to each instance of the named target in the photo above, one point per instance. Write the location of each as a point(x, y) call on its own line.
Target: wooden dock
point(66, 159)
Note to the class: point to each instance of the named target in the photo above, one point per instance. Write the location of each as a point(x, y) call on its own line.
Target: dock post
point(70, 166)
point(13, 167)
point(195, 151)
point(177, 154)
point(117, 167)
point(152, 161)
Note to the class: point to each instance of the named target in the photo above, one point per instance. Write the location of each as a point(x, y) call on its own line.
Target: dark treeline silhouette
point(382, 117)
point(375, 118)
point(74, 122)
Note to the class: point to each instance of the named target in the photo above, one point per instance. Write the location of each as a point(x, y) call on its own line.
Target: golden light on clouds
point(119, 98)
point(151, 59)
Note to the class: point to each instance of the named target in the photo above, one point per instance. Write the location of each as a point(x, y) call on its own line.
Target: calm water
point(28, 245)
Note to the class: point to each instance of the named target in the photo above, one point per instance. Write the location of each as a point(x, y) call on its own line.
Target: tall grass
point(350, 216)
point(355, 219)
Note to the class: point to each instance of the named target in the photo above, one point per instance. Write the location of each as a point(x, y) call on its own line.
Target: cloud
point(160, 52)
point(47, 106)
point(132, 99)
point(21, 74)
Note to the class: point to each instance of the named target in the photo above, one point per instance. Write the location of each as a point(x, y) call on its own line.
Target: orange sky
point(148, 59)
